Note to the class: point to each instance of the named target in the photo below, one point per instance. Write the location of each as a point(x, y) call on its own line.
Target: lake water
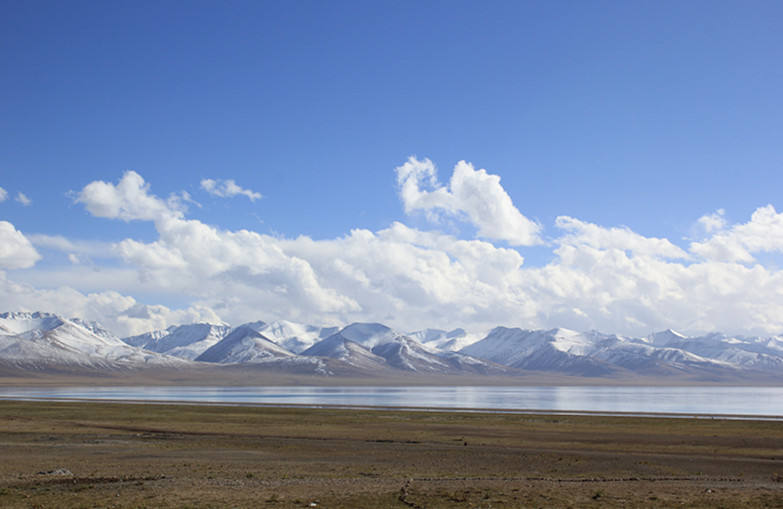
point(703, 401)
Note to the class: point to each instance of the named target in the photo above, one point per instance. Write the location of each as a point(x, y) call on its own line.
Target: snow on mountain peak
point(450, 341)
point(185, 341)
point(339, 347)
point(294, 337)
point(37, 340)
point(20, 322)
point(664, 338)
point(243, 344)
point(369, 335)
point(44, 339)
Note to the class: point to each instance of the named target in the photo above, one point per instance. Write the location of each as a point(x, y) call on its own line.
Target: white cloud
point(185, 197)
point(121, 314)
point(713, 222)
point(77, 251)
point(227, 189)
point(199, 259)
point(414, 174)
point(203, 261)
point(612, 279)
point(763, 233)
point(3, 195)
point(23, 199)
point(16, 251)
point(128, 200)
point(78, 247)
point(402, 272)
point(615, 238)
point(475, 194)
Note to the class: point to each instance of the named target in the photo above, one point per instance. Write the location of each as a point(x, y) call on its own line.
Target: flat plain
point(85, 454)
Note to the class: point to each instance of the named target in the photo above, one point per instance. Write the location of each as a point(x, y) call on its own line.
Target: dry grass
point(124, 455)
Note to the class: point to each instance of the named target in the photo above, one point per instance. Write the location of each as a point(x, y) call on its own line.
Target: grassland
point(125, 455)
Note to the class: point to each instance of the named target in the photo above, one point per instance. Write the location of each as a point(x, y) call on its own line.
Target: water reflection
point(762, 401)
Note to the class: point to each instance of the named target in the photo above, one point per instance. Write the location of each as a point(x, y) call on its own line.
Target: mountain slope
point(446, 341)
point(294, 337)
point(557, 350)
point(45, 342)
point(243, 345)
point(183, 341)
point(41, 340)
point(365, 344)
point(339, 347)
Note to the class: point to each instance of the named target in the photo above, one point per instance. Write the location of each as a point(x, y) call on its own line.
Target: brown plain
point(58, 454)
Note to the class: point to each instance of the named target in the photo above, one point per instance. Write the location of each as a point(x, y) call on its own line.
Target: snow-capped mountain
point(243, 345)
point(184, 341)
point(664, 338)
point(19, 323)
point(735, 351)
point(47, 342)
point(375, 344)
point(559, 350)
point(369, 335)
point(407, 354)
point(339, 347)
point(442, 340)
point(294, 337)
point(595, 354)
point(42, 340)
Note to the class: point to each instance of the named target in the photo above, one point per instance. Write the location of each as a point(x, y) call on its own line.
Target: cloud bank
point(606, 278)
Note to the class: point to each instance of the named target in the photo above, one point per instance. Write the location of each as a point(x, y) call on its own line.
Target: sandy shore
point(57, 454)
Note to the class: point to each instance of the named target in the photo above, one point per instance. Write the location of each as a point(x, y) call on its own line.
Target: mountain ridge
point(40, 342)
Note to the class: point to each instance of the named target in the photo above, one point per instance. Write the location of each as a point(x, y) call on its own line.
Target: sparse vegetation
point(123, 455)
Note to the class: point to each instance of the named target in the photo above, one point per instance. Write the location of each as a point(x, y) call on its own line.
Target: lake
point(701, 401)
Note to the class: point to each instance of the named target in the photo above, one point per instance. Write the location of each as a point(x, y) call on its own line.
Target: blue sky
point(637, 146)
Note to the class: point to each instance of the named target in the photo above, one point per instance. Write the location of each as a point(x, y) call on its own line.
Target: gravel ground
point(123, 455)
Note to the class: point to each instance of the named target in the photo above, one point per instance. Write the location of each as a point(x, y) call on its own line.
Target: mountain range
point(42, 342)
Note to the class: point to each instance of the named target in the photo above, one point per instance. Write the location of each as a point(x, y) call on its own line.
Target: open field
point(126, 455)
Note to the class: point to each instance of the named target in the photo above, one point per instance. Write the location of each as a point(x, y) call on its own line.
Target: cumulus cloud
point(3, 195)
point(227, 189)
point(206, 262)
point(16, 251)
point(473, 194)
point(127, 200)
point(415, 278)
point(203, 260)
point(713, 222)
point(763, 233)
point(607, 278)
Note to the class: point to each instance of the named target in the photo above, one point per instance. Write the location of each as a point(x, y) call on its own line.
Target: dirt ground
point(127, 456)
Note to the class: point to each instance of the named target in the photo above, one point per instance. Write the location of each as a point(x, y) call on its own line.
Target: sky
point(590, 165)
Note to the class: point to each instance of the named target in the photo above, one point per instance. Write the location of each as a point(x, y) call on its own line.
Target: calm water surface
point(741, 401)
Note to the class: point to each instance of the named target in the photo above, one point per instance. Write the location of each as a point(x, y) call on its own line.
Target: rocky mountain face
point(43, 341)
